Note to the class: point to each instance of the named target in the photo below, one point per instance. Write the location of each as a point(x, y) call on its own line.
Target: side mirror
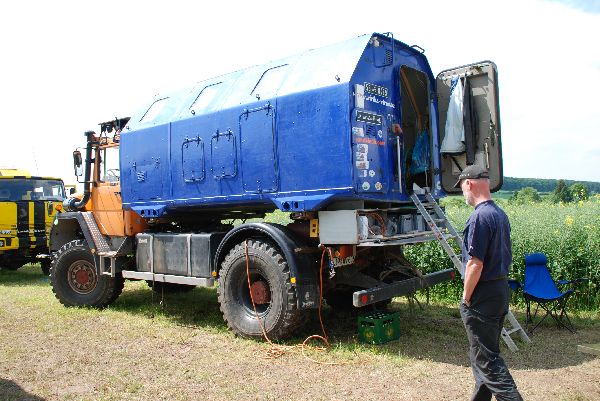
point(77, 162)
point(71, 191)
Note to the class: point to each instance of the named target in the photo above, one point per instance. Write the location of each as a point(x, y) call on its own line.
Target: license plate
point(369, 118)
point(376, 90)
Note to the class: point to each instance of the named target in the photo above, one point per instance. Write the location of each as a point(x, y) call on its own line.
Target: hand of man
point(472, 275)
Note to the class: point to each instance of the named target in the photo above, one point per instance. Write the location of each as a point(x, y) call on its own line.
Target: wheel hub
point(260, 292)
point(82, 277)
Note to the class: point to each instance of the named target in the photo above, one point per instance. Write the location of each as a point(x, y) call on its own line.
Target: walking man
point(486, 257)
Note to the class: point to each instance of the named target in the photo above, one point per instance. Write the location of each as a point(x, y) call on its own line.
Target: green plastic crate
point(379, 327)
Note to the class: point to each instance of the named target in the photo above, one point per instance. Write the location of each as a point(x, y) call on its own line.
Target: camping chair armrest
point(575, 281)
point(514, 284)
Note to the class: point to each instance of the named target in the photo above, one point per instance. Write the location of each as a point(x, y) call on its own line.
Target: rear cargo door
point(480, 141)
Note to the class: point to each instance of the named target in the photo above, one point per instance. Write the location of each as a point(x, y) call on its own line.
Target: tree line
point(562, 193)
point(545, 185)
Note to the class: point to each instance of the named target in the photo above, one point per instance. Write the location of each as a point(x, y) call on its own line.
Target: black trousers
point(483, 322)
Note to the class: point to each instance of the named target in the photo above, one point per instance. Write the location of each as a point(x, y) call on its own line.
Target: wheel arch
point(68, 227)
point(303, 270)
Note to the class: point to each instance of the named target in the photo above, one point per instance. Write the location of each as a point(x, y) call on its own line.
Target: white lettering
point(338, 262)
point(382, 102)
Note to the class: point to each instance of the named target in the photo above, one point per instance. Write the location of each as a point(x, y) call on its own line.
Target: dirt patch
point(135, 350)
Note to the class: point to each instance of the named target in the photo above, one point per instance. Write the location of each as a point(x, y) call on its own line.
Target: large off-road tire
point(169, 288)
point(270, 277)
point(75, 281)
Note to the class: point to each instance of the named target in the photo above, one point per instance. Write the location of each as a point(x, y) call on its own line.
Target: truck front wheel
point(274, 296)
point(75, 281)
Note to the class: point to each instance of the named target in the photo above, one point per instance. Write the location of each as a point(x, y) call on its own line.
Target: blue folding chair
point(540, 289)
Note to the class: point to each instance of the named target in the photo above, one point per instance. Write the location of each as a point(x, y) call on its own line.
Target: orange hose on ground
point(276, 350)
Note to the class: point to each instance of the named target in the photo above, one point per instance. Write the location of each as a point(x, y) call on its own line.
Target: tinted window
point(20, 189)
point(110, 165)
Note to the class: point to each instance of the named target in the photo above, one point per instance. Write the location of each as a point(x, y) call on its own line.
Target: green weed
point(569, 235)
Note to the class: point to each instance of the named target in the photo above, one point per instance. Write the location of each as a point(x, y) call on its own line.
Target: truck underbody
point(290, 271)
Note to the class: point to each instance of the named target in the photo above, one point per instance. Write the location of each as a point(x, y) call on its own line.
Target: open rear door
point(481, 120)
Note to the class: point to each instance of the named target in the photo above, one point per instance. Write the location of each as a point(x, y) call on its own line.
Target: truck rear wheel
point(75, 281)
point(274, 296)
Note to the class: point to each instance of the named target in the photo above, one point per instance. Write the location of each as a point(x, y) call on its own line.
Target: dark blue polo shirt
point(487, 237)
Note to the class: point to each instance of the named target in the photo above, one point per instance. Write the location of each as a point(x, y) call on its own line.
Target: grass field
point(569, 234)
point(144, 347)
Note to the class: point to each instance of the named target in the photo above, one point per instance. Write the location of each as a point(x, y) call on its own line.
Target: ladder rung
point(449, 236)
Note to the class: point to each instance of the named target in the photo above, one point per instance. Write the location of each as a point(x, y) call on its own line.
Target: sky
point(66, 66)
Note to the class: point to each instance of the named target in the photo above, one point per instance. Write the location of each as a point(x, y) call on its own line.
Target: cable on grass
point(277, 350)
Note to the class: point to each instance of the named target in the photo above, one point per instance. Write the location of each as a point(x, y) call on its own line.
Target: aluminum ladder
point(438, 222)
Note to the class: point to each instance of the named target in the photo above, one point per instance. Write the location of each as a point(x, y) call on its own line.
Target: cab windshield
point(109, 172)
point(27, 189)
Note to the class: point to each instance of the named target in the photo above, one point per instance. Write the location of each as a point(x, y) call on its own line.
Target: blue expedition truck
point(347, 139)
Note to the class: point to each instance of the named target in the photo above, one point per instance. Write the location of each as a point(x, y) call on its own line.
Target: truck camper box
point(353, 121)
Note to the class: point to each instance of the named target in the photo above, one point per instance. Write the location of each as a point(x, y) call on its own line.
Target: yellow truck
point(28, 205)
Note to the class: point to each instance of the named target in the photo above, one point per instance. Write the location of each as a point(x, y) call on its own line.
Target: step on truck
point(28, 205)
point(345, 140)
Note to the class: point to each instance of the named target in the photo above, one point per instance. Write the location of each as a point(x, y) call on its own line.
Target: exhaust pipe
point(72, 204)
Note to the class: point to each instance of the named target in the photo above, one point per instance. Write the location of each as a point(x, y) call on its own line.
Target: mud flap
point(308, 296)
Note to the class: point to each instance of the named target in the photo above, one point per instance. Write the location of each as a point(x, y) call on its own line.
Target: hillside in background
point(543, 185)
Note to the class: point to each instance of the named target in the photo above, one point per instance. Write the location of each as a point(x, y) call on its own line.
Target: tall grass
point(569, 235)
